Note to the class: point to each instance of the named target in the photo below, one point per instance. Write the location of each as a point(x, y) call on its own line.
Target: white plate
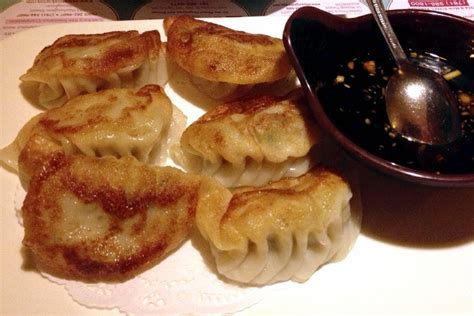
point(415, 254)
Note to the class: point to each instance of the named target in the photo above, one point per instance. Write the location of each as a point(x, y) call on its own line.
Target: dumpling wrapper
point(84, 63)
point(251, 141)
point(285, 230)
point(97, 219)
point(224, 63)
point(114, 122)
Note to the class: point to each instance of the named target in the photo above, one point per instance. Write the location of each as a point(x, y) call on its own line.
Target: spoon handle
point(378, 11)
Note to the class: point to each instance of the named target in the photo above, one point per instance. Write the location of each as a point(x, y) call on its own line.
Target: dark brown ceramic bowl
point(318, 42)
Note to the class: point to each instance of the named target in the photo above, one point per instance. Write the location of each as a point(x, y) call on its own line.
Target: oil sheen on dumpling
point(224, 63)
point(114, 122)
point(84, 63)
point(285, 230)
point(105, 218)
point(251, 142)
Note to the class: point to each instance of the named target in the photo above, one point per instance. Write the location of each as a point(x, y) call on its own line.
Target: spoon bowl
point(421, 107)
point(419, 103)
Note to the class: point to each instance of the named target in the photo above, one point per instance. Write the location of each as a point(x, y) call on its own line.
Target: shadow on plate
point(29, 91)
point(202, 246)
point(180, 82)
point(415, 216)
point(28, 264)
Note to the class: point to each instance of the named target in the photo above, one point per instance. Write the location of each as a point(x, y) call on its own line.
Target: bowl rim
point(367, 158)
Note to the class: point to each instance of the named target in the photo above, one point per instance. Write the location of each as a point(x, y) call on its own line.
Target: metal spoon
point(419, 103)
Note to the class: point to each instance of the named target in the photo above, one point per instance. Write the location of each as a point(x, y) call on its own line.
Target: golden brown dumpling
point(106, 218)
point(252, 141)
point(282, 231)
point(114, 122)
point(224, 63)
point(79, 64)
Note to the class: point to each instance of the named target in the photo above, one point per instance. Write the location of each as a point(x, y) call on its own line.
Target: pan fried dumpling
point(117, 122)
point(106, 218)
point(224, 63)
point(114, 122)
point(285, 230)
point(79, 64)
point(252, 141)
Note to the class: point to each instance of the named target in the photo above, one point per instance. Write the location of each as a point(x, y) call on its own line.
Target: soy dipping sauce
point(355, 101)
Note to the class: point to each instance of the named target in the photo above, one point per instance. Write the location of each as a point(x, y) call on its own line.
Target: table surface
point(18, 15)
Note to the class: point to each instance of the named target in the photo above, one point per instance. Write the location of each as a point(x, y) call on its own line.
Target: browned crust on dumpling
point(264, 127)
point(137, 214)
point(122, 48)
point(301, 204)
point(217, 53)
point(287, 188)
point(137, 102)
point(246, 106)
